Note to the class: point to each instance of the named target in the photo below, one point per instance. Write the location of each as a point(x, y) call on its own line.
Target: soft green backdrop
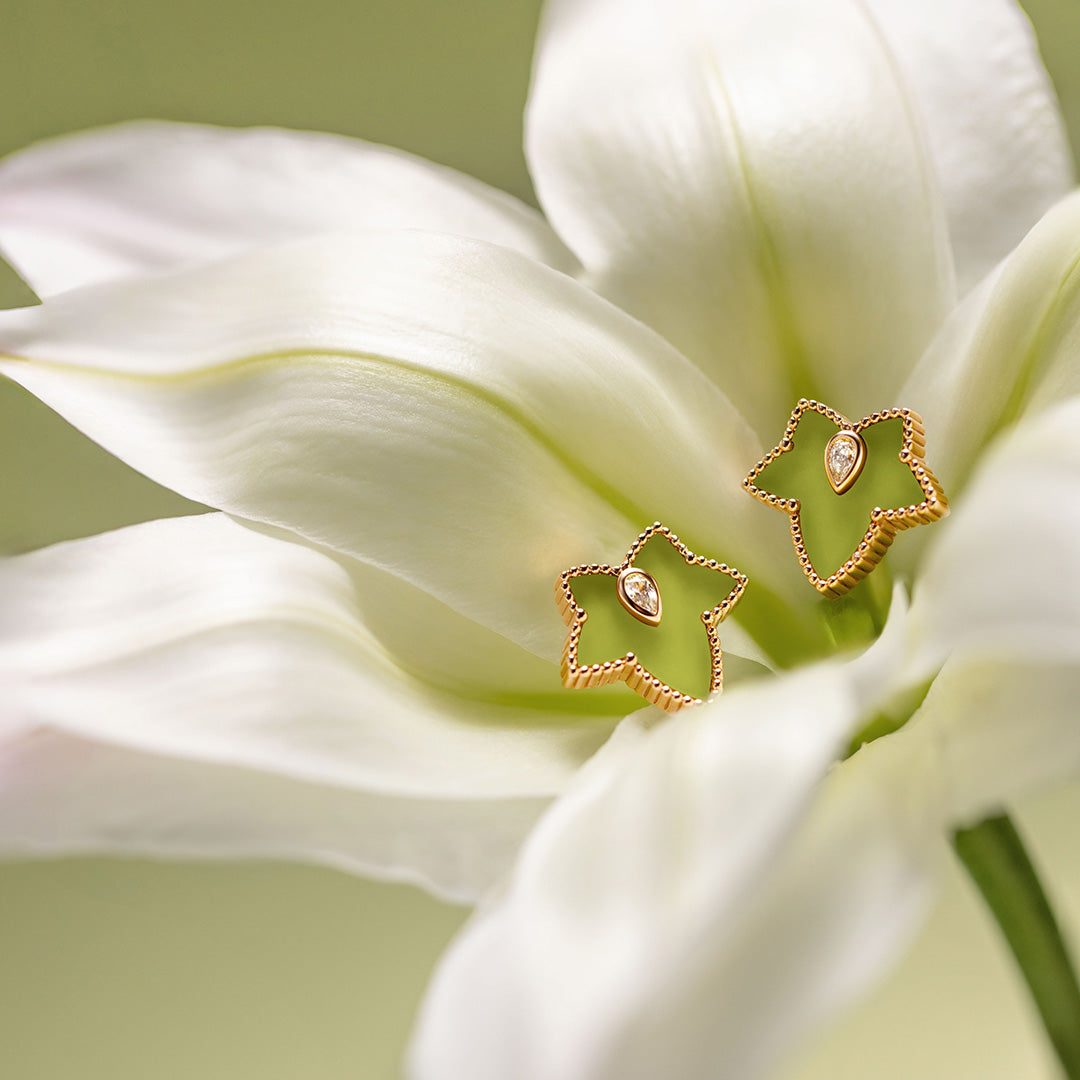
point(127, 969)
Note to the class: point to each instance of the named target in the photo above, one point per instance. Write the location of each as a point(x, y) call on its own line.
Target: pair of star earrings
point(845, 449)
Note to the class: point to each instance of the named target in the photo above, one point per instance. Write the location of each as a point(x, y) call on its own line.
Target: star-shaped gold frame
point(884, 524)
point(627, 669)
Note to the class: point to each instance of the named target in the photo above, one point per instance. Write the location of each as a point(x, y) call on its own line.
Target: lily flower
point(412, 402)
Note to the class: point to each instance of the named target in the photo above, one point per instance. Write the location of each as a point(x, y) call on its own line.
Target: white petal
point(999, 578)
point(753, 181)
point(64, 795)
point(992, 122)
point(208, 641)
point(1008, 350)
point(954, 1007)
point(149, 195)
point(205, 637)
point(446, 409)
point(999, 603)
point(1002, 729)
point(695, 903)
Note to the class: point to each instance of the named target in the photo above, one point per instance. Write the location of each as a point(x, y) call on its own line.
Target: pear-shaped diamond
point(640, 595)
point(641, 591)
point(844, 456)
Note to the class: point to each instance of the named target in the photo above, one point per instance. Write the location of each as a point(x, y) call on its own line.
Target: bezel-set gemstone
point(845, 454)
point(640, 595)
point(642, 592)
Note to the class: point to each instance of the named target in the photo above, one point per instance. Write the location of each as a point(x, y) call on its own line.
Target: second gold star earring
point(841, 452)
point(639, 592)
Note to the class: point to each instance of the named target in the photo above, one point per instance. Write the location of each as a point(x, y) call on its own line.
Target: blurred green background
point(130, 969)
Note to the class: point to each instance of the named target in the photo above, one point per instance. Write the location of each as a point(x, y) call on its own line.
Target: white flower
point(413, 402)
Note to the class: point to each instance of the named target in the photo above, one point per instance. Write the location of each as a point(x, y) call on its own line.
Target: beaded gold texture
point(884, 523)
point(627, 668)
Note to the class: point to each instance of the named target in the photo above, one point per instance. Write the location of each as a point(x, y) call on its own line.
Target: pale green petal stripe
point(446, 409)
point(1009, 350)
point(754, 181)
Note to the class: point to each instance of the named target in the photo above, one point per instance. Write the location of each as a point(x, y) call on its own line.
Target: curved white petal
point(446, 409)
point(1010, 349)
point(998, 602)
point(999, 146)
point(207, 640)
point(696, 902)
point(63, 795)
point(1000, 577)
point(150, 195)
point(1002, 728)
point(954, 1006)
point(205, 637)
point(754, 181)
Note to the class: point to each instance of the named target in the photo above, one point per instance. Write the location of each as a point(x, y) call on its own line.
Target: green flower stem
point(994, 856)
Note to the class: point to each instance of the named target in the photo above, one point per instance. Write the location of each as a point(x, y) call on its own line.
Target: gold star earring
point(639, 593)
point(844, 455)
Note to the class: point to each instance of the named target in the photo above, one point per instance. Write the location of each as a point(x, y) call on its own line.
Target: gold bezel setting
point(639, 611)
point(884, 524)
point(627, 668)
point(847, 480)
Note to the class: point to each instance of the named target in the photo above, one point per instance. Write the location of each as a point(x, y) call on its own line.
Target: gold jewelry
point(844, 458)
point(639, 593)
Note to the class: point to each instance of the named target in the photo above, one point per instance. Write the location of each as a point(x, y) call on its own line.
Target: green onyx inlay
point(676, 651)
